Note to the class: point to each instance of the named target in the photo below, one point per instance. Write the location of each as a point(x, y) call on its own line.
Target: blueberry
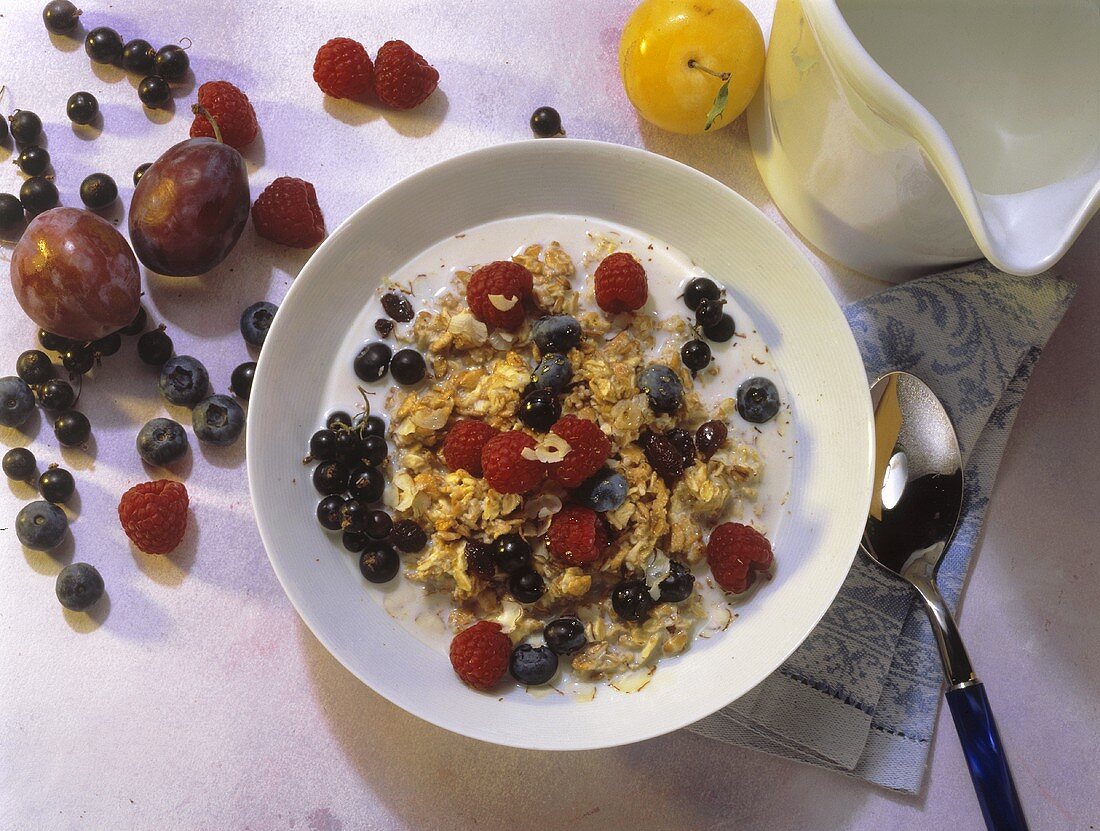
point(408, 536)
point(722, 331)
point(82, 108)
point(56, 485)
point(79, 586)
point(663, 388)
point(154, 92)
point(331, 477)
point(533, 665)
point(709, 437)
point(372, 361)
point(604, 492)
point(378, 525)
point(57, 395)
point(183, 381)
point(684, 444)
point(256, 320)
point(678, 585)
point(369, 485)
point(137, 56)
point(33, 160)
point(34, 367)
point(72, 428)
point(698, 289)
point(322, 445)
point(757, 400)
point(161, 441)
point(479, 560)
point(155, 347)
point(379, 563)
point(16, 401)
point(19, 464)
point(60, 16)
point(328, 512)
point(526, 585)
point(78, 359)
point(546, 122)
point(107, 345)
point(103, 45)
point(373, 450)
point(554, 372)
point(38, 194)
point(397, 306)
point(407, 367)
point(98, 191)
point(539, 409)
point(11, 209)
point(240, 382)
point(556, 333)
point(41, 526)
point(218, 420)
point(696, 355)
point(26, 126)
point(564, 635)
point(511, 552)
point(631, 600)
point(171, 62)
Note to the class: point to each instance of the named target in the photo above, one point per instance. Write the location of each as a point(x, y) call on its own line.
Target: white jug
point(902, 135)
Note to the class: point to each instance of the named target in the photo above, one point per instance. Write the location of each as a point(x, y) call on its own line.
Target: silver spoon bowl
point(915, 506)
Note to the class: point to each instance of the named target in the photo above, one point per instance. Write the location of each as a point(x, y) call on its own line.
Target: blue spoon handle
point(985, 755)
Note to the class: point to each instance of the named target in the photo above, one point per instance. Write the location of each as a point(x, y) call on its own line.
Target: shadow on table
point(677, 781)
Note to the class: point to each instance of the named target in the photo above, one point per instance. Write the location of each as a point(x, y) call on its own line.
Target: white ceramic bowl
point(806, 332)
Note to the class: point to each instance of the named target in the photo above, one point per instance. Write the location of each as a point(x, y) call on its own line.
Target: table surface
point(197, 698)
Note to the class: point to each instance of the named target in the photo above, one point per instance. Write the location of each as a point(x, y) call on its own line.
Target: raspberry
point(287, 213)
point(343, 68)
point(480, 654)
point(464, 442)
point(508, 284)
point(154, 515)
point(588, 450)
point(402, 78)
point(504, 466)
point(735, 552)
point(231, 110)
point(577, 535)
point(620, 284)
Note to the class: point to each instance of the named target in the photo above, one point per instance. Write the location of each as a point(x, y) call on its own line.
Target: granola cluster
point(482, 374)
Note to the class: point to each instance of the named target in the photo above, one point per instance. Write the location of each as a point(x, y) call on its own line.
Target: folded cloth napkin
point(861, 694)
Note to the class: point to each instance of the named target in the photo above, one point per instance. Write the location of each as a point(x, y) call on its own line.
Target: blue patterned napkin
point(861, 694)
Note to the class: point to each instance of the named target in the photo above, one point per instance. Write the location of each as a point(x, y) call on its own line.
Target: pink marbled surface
point(199, 700)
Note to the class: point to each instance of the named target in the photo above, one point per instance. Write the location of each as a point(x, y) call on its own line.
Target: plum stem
point(199, 109)
point(694, 64)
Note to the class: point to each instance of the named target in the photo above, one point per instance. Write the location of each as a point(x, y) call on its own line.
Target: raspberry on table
point(463, 444)
point(577, 536)
point(154, 515)
point(231, 109)
point(480, 654)
point(505, 467)
point(496, 293)
point(287, 213)
point(343, 69)
point(735, 553)
point(589, 448)
point(621, 284)
point(402, 78)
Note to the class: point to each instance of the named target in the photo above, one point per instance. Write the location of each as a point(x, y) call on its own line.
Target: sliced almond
point(502, 303)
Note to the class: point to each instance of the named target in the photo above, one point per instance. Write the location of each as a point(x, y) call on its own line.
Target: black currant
point(56, 485)
point(322, 445)
point(539, 409)
point(138, 55)
point(354, 541)
point(511, 552)
point(526, 585)
point(154, 92)
point(373, 450)
point(26, 127)
point(564, 635)
point(82, 108)
point(546, 122)
point(699, 289)
point(11, 212)
point(141, 172)
point(56, 395)
point(369, 485)
point(171, 62)
point(19, 464)
point(137, 325)
point(38, 194)
point(34, 367)
point(678, 585)
point(60, 16)
point(330, 477)
point(98, 191)
point(328, 512)
point(708, 312)
point(353, 516)
point(372, 361)
point(407, 367)
point(631, 600)
point(696, 355)
point(78, 359)
point(378, 525)
point(722, 331)
point(375, 426)
point(240, 382)
point(349, 445)
point(107, 345)
point(103, 45)
point(72, 428)
point(337, 419)
point(155, 347)
point(33, 160)
point(379, 563)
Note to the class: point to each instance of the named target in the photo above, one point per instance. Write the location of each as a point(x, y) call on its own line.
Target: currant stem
point(694, 64)
point(199, 109)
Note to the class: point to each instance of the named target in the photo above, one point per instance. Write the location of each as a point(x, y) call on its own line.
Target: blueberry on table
point(240, 382)
point(556, 333)
point(26, 126)
point(696, 355)
point(526, 585)
point(41, 526)
point(56, 395)
point(35, 367)
point(16, 401)
point(701, 288)
point(138, 56)
point(678, 585)
point(33, 160)
point(379, 563)
point(256, 320)
point(171, 62)
point(60, 16)
point(98, 191)
point(373, 361)
point(546, 122)
point(79, 586)
point(757, 400)
point(38, 194)
point(162, 441)
point(218, 420)
point(140, 171)
point(72, 428)
point(103, 45)
point(19, 464)
point(11, 212)
point(155, 347)
point(56, 485)
point(82, 108)
point(721, 331)
point(183, 381)
point(564, 635)
point(407, 367)
point(631, 600)
point(533, 665)
point(154, 92)
point(663, 388)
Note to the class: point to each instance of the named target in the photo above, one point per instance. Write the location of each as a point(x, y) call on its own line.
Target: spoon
point(915, 506)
